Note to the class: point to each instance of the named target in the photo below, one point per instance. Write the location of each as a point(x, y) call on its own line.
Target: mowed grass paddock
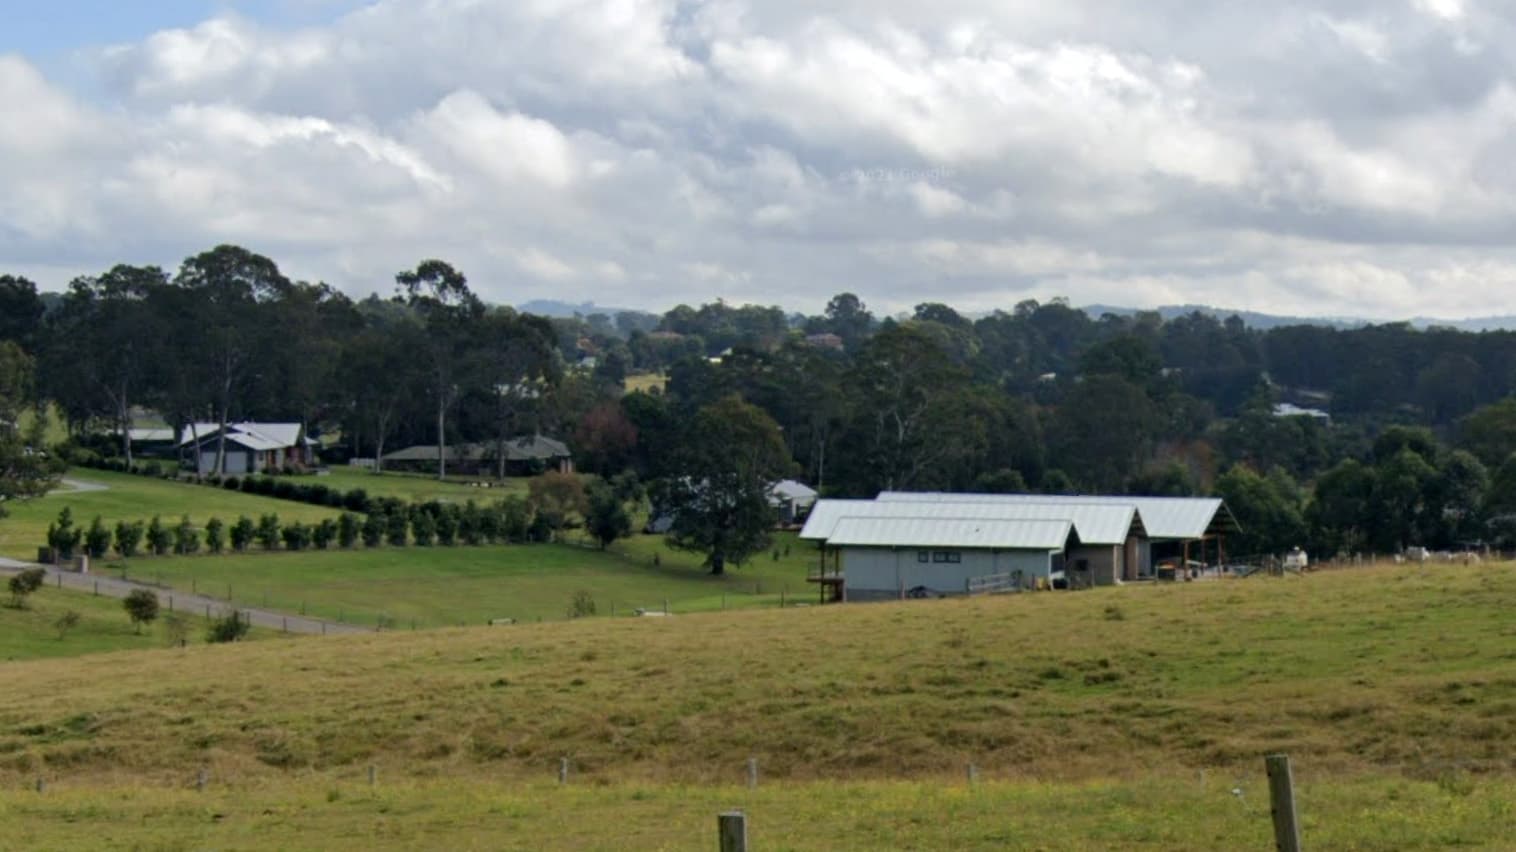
point(128, 497)
point(30, 633)
point(448, 586)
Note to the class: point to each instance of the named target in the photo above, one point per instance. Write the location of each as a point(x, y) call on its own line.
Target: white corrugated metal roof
point(1095, 523)
point(1163, 517)
point(937, 532)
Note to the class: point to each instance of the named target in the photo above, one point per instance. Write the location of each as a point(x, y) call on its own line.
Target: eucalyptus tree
point(450, 313)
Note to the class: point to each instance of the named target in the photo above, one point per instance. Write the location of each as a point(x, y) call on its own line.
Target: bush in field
point(62, 536)
point(423, 526)
point(23, 584)
point(186, 537)
point(159, 537)
point(141, 606)
point(373, 530)
point(215, 535)
point(470, 524)
point(66, 622)
point(397, 528)
point(97, 542)
point(297, 536)
point(268, 531)
point(607, 518)
point(231, 483)
point(228, 628)
point(515, 519)
point(356, 500)
point(582, 605)
point(128, 538)
point(323, 533)
point(243, 534)
point(348, 529)
point(558, 498)
point(176, 628)
point(447, 525)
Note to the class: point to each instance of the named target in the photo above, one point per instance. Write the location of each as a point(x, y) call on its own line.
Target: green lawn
point(103, 626)
point(128, 498)
point(411, 487)
point(443, 586)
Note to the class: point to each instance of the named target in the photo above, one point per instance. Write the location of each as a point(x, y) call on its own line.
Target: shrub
point(228, 628)
point(249, 485)
point(283, 489)
point(128, 538)
point(423, 526)
point(540, 530)
point(243, 533)
point(159, 537)
point(515, 519)
point(66, 622)
point(356, 500)
point(268, 531)
point(373, 530)
point(176, 628)
point(447, 526)
point(607, 518)
point(335, 499)
point(24, 584)
point(297, 536)
point(582, 605)
point(97, 542)
point(396, 528)
point(231, 483)
point(215, 535)
point(186, 537)
point(62, 536)
point(323, 533)
point(141, 606)
point(348, 529)
point(470, 524)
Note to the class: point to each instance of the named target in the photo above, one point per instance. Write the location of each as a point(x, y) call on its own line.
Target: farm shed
point(1177, 528)
point(1112, 540)
point(884, 558)
point(250, 447)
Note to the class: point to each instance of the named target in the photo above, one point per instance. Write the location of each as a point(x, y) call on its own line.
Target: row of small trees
point(510, 520)
point(141, 606)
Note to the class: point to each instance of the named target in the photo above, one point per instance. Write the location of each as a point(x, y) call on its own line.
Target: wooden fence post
point(563, 770)
point(752, 773)
point(200, 780)
point(373, 775)
point(973, 774)
point(731, 827)
point(1282, 803)
point(41, 785)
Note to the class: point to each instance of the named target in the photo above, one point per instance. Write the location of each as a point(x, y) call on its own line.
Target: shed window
point(922, 555)
point(950, 556)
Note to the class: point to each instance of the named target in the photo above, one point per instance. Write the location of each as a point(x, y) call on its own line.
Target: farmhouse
point(250, 447)
point(875, 548)
point(793, 499)
point(526, 455)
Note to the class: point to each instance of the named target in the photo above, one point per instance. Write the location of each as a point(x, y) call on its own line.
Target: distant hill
point(1263, 321)
point(555, 308)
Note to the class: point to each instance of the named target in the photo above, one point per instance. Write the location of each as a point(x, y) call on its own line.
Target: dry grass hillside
point(1407, 671)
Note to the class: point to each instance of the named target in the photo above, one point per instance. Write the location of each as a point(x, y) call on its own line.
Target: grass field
point(130, 498)
point(1388, 670)
point(1157, 814)
point(442, 586)
point(645, 382)
point(29, 633)
point(410, 487)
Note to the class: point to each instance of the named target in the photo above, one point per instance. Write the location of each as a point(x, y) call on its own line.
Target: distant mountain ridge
point(1253, 319)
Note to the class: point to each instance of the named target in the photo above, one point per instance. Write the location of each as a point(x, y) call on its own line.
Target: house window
point(949, 556)
point(922, 556)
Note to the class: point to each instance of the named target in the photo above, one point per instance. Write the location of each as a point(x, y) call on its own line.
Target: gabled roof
point(1096, 524)
point(789, 489)
point(254, 436)
point(1163, 517)
point(524, 448)
point(936, 532)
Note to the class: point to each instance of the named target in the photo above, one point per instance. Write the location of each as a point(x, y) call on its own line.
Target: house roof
point(789, 489)
point(524, 448)
point(1094, 523)
point(1162, 517)
point(937, 532)
point(254, 436)
point(144, 435)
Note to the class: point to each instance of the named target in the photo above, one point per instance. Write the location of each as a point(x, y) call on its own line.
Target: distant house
point(1285, 409)
point(824, 341)
point(526, 455)
point(153, 443)
point(792, 499)
point(250, 447)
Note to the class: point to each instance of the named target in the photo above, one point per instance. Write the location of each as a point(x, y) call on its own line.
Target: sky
point(1341, 157)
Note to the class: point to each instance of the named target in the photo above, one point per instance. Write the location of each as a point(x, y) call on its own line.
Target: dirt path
point(174, 601)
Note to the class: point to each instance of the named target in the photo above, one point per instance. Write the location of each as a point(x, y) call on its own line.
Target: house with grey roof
point(525, 455)
point(249, 447)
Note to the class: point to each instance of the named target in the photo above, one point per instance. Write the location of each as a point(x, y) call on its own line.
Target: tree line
point(1412, 443)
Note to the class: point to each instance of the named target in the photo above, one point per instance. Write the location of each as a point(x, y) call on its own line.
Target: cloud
point(1350, 157)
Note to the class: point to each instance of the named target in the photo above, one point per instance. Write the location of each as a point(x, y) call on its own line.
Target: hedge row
point(282, 487)
point(389, 522)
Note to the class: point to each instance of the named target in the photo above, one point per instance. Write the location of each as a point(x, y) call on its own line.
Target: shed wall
point(881, 572)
